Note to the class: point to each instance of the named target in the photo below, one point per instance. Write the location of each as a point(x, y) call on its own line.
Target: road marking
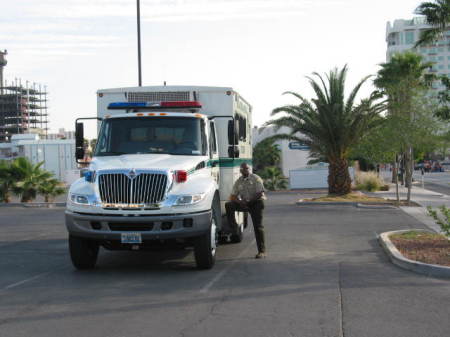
point(208, 286)
point(25, 281)
point(30, 238)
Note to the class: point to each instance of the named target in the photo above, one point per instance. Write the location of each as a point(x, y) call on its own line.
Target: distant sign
point(298, 146)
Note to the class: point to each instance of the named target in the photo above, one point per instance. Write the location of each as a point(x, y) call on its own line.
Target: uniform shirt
point(248, 187)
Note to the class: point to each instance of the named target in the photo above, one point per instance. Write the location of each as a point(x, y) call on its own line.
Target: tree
point(50, 188)
point(92, 144)
point(376, 146)
point(273, 178)
point(330, 124)
point(265, 154)
point(437, 15)
point(30, 178)
point(7, 180)
point(443, 109)
point(404, 81)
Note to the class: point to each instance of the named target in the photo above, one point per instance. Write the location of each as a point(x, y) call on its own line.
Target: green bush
point(274, 179)
point(368, 181)
point(442, 219)
point(384, 188)
point(25, 179)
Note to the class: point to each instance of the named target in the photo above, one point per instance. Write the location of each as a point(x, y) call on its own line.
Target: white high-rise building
point(403, 34)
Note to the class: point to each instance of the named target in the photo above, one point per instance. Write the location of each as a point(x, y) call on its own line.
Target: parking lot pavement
point(325, 276)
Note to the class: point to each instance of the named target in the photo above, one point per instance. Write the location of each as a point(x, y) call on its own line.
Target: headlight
point(183, 200)
point(79, 199)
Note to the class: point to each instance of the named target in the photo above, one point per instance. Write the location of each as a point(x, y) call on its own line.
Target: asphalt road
point(325, 276)
point(438, 182)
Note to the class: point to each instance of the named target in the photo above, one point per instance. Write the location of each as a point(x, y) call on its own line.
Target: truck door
point(213, 152)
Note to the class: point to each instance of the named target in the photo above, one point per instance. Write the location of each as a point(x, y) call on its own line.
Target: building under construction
point(23, 108)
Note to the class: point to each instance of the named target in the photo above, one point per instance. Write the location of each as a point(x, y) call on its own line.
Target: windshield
point(170, 135)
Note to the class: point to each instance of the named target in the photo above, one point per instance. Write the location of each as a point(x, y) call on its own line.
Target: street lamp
point(139, 40)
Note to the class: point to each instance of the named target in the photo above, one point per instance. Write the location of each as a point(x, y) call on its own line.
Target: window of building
point(441, 66)
point(441, 58)
point(409, 37)
point(440, 50)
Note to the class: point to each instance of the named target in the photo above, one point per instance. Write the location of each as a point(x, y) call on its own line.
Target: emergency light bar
point(154, 105)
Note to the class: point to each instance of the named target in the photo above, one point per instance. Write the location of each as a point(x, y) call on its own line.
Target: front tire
point(83, 252)
point(205, 246)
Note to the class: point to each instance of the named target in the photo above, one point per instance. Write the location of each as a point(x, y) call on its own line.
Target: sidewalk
point(421, 196)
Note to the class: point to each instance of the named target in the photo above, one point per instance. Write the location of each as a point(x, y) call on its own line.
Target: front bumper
point(152, 227)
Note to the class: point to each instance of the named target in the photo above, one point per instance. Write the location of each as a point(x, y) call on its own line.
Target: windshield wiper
point(111, 153)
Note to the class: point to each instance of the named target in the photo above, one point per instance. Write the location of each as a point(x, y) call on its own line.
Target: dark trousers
point(255, 209)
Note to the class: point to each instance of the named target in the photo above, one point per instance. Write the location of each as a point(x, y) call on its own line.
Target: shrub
point(273, 179)
point(442, 219)
point(368, 181)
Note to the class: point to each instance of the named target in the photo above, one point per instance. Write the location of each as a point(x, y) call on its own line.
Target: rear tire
point(83, 252)
point(205, 246)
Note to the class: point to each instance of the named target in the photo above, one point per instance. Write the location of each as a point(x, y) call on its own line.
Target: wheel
point(205, 245)
point(83, 252)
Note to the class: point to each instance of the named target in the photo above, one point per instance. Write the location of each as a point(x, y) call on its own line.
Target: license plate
point(131, 238)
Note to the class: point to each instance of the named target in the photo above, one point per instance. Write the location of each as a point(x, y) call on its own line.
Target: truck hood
point(146, 161)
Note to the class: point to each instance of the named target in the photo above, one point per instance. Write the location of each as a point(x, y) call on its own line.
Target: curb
point(344, 203)
point(34, 204)
point(415, 266)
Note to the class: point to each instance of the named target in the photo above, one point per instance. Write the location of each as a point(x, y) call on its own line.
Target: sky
point(261, 48)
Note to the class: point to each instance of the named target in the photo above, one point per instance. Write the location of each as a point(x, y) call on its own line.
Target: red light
point(181, 176)
point(183, 104)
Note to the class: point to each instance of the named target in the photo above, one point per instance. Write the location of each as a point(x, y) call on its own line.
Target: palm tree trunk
point(339, 181)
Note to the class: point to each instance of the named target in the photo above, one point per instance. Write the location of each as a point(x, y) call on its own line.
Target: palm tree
point(402, 77)
point(273, 178)
point(7, 180)
point(30, 178)
point(437, 14)
point(265, 154)
point(330, 124)
point(51, 188)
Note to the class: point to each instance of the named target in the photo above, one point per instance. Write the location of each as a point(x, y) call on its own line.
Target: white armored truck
point(163, 167)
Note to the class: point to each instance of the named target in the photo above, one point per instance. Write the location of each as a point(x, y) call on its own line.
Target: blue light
point(127, 105)
point(89, 176)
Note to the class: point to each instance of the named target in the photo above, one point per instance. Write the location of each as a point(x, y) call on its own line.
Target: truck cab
point(160, 174)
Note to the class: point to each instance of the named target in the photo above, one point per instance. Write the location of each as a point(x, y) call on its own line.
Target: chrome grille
point(158, 96)
point(144, 189)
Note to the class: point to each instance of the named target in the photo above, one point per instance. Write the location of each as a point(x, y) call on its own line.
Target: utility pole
point(3, 63)
point(139, 40)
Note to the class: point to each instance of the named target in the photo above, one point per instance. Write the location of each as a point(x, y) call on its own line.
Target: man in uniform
point(248, 196)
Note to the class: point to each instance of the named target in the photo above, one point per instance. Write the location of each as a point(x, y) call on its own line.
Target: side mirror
point(79, 141)
point(233, 151)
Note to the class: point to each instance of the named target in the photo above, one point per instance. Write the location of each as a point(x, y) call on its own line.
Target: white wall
point(58, 155)
point(290, 159)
